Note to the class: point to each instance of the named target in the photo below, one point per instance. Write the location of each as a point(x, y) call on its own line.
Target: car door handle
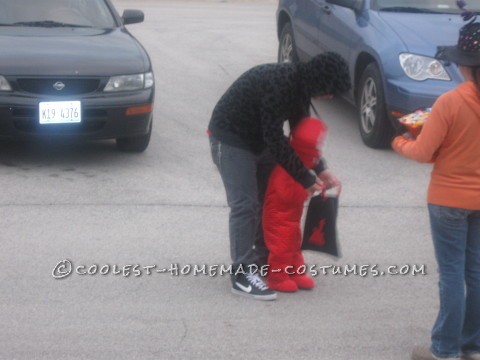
point(326, 9)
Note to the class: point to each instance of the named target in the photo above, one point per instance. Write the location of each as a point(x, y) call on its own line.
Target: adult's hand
point(319, 186)
point(329, 180)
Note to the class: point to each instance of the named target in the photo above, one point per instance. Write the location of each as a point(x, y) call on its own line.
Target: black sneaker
point(252, 285)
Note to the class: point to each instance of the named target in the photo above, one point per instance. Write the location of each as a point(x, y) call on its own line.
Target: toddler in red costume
point(283, 208)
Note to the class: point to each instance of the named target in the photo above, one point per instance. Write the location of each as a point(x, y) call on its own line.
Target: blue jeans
point(245, 178)
point(456, 239)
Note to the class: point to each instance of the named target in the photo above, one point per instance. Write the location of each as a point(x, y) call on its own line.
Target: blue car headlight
point(4, 85)
point(129, 82)
point(422, 68)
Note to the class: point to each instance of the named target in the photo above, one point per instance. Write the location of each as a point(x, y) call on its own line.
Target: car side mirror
point(355, 5)
point(132, 16)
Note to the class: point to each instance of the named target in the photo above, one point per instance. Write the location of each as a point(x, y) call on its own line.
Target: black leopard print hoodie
point(251, 113)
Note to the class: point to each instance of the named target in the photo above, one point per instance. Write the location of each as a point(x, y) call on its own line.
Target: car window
point(440, 6)
point(91, 13)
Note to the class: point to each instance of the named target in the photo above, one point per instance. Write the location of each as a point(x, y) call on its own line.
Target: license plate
point(60, 112)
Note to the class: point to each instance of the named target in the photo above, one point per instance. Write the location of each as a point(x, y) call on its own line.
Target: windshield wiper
point(45, 23)
point(408, 9)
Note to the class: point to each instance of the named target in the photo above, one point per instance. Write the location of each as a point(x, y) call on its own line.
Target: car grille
point(58, 86)
point(26, 120)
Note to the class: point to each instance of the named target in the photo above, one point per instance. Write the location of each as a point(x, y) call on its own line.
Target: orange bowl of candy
point(413, 122)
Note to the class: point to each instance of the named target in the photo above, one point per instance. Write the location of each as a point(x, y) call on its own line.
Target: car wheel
point(287, 52)
point(136, 143)
point(375, 127)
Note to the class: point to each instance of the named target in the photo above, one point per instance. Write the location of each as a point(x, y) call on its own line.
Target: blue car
point(389, 45)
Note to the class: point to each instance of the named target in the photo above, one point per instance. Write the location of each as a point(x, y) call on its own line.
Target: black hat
point(467, 50)
point(327, 74)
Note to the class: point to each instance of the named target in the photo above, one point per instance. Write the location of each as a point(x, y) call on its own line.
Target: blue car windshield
point(424, 6)
point(56, 13)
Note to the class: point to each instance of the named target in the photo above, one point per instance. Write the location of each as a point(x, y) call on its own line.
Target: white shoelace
point(256, 281)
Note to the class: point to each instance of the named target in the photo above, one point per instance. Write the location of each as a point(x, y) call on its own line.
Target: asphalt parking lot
point(165, 209)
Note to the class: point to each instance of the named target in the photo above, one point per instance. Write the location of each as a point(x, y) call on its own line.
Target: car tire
point(136, 143)
point(287, 51)
point(375, 127)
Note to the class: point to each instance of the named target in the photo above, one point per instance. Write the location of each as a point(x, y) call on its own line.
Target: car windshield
point(56, 13)
point(424, 6)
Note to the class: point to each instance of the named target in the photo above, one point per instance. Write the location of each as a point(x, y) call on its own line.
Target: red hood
point(307, 138)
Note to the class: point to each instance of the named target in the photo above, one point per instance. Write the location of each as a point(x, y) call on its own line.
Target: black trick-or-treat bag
point(320, 231)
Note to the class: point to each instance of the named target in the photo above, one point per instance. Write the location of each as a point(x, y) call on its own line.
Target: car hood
point(422, 33)
point(66, 51)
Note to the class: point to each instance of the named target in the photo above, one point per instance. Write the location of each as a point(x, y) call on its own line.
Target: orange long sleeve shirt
point(450, 138)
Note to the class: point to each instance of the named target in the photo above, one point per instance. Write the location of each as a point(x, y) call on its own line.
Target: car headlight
point(4, 85)
point(130, 82)
point(422, 68)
